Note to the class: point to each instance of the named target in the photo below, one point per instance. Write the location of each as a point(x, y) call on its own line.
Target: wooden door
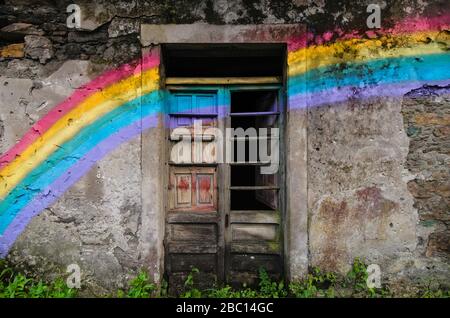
point(254, 227)
point(223, 218)
point(194, 236)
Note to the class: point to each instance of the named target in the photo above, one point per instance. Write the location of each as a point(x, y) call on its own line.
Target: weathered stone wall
point(377, 170)
point(378, 185)
point(358, 201)
point(426, 114)
point(97, 224)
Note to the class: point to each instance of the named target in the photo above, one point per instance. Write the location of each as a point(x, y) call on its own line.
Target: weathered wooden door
point(223, 218)
point(194, 225)
point(254, 210)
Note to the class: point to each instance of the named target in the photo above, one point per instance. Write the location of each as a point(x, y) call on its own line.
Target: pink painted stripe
point(101, 82)
point(407, 26)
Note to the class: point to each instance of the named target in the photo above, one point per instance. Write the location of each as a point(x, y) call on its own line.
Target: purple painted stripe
point(342, 94)
point(72, 175)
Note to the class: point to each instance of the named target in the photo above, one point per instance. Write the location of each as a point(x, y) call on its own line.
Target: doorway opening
point(225, 217)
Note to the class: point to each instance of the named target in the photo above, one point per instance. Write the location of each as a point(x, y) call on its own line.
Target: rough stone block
point(38, 48)
point(121, 26)
point(12, 51)
point(23, 28)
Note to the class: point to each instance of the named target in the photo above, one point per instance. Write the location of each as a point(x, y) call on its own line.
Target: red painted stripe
point(407, 26)
point(106, 79)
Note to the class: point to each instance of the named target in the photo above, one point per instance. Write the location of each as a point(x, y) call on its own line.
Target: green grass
point(17, 285)
point(139, 287)
point(317, 284)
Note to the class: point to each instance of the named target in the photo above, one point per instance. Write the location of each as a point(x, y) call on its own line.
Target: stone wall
point(98, 222)
point(358, 201)
point(426, 115)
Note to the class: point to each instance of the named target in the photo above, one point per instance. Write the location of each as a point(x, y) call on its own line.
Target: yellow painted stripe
point(358, 50)
point(92, 108)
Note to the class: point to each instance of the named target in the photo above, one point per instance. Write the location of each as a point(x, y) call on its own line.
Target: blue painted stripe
point(433, 67)
point(70, 152)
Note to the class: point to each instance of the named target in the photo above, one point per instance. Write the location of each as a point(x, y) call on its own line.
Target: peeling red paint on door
point(183, 184)
point(205, 184)
point(205, 191)
point(195, 189)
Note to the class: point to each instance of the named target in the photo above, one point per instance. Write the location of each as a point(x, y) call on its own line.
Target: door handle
point(227, 220)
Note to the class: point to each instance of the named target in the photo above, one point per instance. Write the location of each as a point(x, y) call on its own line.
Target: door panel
point(193, 228)
point(187, 122)
point(253, 232)
point(193, 103)
point(253, 248)
point(193, 232)
point(252, 263)
point(193, 189)
point(205, 194)
point(202, 152)
point(254, 239)
point(185, 262)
